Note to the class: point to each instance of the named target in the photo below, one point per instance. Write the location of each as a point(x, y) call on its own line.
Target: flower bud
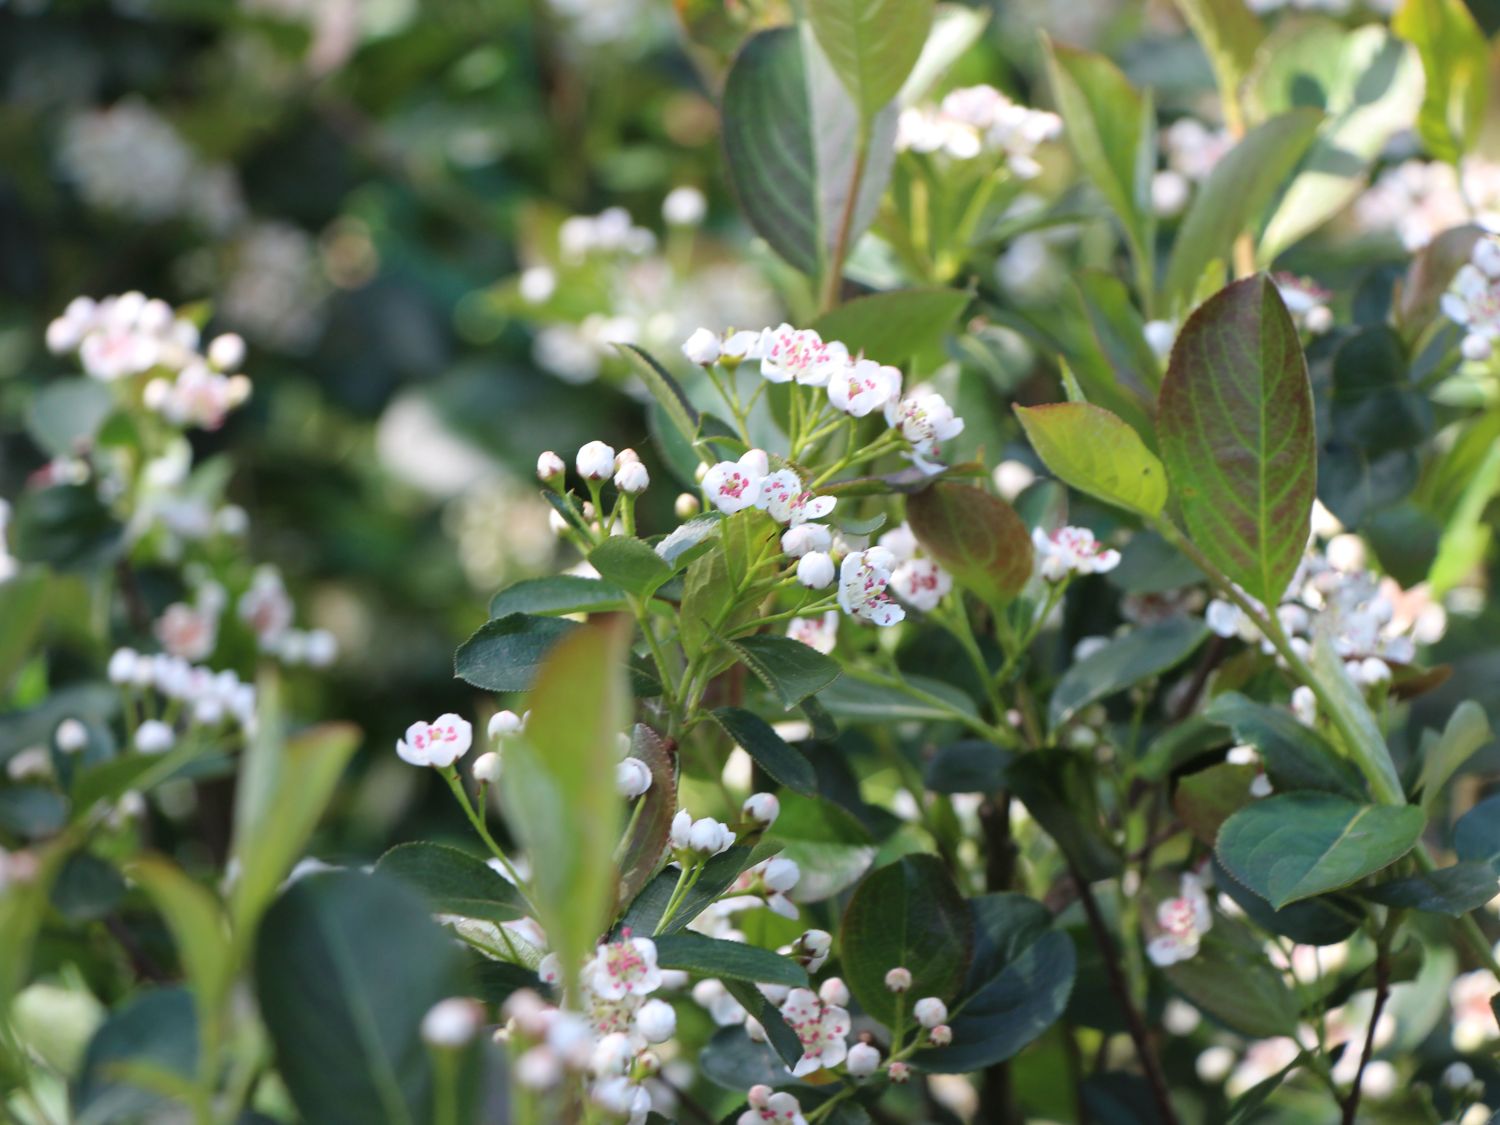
point(549, 969)
point(898, 979)
point(710, 837)
point(686, 506)
point(806, 538)
point(452, 1022)
point(656, 1021)
point(71, 736)
point(941, 1035)
point(815, 570)
point(930, 1011)
point(756, 463)
point(487, 768)
point(863, 1060)
point(632, 778)
point(755, 1031)
point(632, 478)
point(122, 664)
point(1476, 348)
point(154, 737)
point(503, 724)
point(759, 1096)
point(227, 351)
point(899, 1072)
point(762, 808)
point(834, 991)
point(684, 207)
point(612, 1055)
point(781, 875)
point(595, 461)
point(1458, 1075)
point(539, 1068)
point(812, 949)
point(549, 467)
point(702, 347)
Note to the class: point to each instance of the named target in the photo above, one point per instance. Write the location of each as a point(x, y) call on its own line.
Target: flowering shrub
point(1045, 676)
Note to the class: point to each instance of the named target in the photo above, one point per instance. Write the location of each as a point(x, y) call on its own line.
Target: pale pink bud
point(487, 768)
point(686, 506)
point(763, 808)
point(815, 570)
point(702, 347)
point(227, 351)
point(941, 1035)
point(930, 1011)
point(656, 1021)
point(452, 1023)
point(549, 466)
point(898, 979)
point(632, 478)
point(899, 1072)
point(834, 991)
point(863, 1060)
point(595, 461)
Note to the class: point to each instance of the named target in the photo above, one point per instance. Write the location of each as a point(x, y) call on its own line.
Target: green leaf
point(872, 44)
point(348, 965)
point(1367, 83)
point(1296, 756)
point(630, 564)
point(1110, 128)
point(733, 1060)
point(1094, 451)
point(283, 790)
point(1346, 703)
point(1467, 535)
point(861, 701)
point(1468, 731)
point(1235, 420)
point(65, 526)
point(789, 130)
point(1136, 656)
point(1017, 986)
point(978, 538)
point(156, 1027)
point(1060, 791)
point(790, 669)
point(1456, 66)
point(32, 811)
point(679, 547)
point(1233, 982)
point(908, 914)
point(1453, 891)
point(719, 873)
point(556, 594)
point(733, 960)
point(453, 881)
point(970, 766)
point(1229, 33)
point(23, 607)
point(641, 850)
point(892, 327)
point(825, 841)
point(558, 788)
point(955, 28)
point(665, 389)
point(1119, 330)
point(1293, 846)
point(784, 763)
point(87, 888)
point(1476, 836)
point(1232, 199)
point(1324, 920)
point(505, 654)
point(1206, 799)
point(66, 414)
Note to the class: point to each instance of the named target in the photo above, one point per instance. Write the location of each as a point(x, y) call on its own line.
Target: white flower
point(226, 352)
point(266, 607)
point(702, 347)
point(549, 466)
point(707, 836)
point(1224, 619)
point(714, 998)
point(632, 478)
point(486, 767)
point(898, 979)
point(1071, 550)
point(763, 809)
point(439, 743)
point(624, 968)
point(819, 633)
point(834, 991)
point(815, 570)
point(863, 578)
point(805, 538)
point(536, 284)
point(1473, 1019)
point(863, 386)
point(1183, 921)
point(656, 1021)
point(1306, 301)
point(595, 461)
point(452, 1023)
point(1013, 478)
point(863, 1060)
point(1305, 705)
point(930, 1011)
point(504, 724)
point(612, 1055)
point(925, 420)
point(733, 486)
point(684, 206)
point(921, 584)
point(632, 778)
point(767, 1108)
point(740, 346)
point(821, 1028)
point(784, 500)
point(788, 353)
point(154, 737)
point(71, 736)
point(186, 631)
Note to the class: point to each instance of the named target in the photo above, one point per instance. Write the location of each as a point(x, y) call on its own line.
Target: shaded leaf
point(1136, 656)
point(733, 960)
point(556, 594)
point(1296, 756)
point(453, 881)
point(827, 843)
point(1453, 891)
point(1455, 63)
point(641, 850)
point(630, 564)
point(892, 327)
point(970, 766)
point(506, 653)
point(786, 764)
point(790, 669)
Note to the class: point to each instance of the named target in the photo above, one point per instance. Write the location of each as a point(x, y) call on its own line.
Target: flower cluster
point(1418, 199)
point(1182, 922)
point(205, 698)
point(978, 119)
point(120, 337)
point(1070, 552)
point(1473, 299)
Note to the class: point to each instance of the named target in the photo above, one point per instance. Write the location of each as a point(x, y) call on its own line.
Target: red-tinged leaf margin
point(641, 850)
point(977, 537)
point(1235, 422)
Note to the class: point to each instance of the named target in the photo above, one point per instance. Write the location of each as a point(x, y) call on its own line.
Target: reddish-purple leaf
point(976, 536)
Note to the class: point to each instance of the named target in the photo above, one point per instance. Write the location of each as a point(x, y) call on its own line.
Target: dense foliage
point(966, 535)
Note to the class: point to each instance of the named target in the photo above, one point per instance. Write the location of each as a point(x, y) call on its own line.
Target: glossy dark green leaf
point(1206, 799)
point(87, 888)
point(506, 653)
point(872, 44)
point(1059, 790)
point(32, 810)
point(1017, 985)
point(1476, 836)
point(1235, 420)
point(713, 957)
point(892, 327)
point(1324, 920)
point(630, 565)
point(977, 537)
point(907, 914)
point(732, 1059)
point(347, 966)
point(556, 594)
point(790, 669)
point(1296, 756)
point(970, 766)
point(1136, 656)
point(665, 389)
point(786, 764)
point(860, 701)
point(645, 912)
point(1234, 983)
point(1297, 845)
point(1094, 451)
point(1453, 891)
point(453, 881)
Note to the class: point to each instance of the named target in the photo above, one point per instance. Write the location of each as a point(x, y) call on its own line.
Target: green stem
point(685, 882)
point(450, 775)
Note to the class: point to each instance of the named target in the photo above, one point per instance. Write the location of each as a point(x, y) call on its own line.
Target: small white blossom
point(762, 808)
point(783, 498)
point(815, 570)
point(624, 968)
point(154, 737)
point(930, 1011)
point(863, 386)
point(806, 538)
point(925, 420)
point(1183, 921)
point(71, 736)
point(595, 461)
point(632, 477)
point(863, 1060)
point(684, 206)
point(632, 778)
point(503, 724)
point(898, 979)
point(439, 743)
point(1071, 550)
point(686, 506)
point(452, 1023)
point(921, 584)
point(706, 836)
point(788, 354)
point(702, 347)
point(821, 1028)
point(656, 1021)
point(549, 467)
point(1305, 704)
point(733, 486)
point(863, 579)
point(819, 633)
